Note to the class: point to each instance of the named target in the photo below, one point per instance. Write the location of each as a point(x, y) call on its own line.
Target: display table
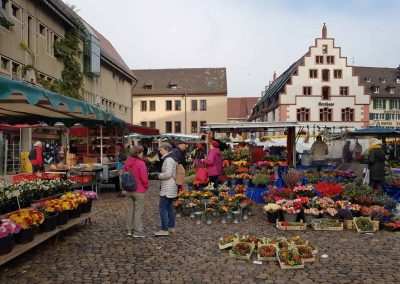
point(256, 193)
point(41, 237)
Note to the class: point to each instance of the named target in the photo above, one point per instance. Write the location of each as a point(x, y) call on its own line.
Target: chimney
point(274, 76)
point(324, 31)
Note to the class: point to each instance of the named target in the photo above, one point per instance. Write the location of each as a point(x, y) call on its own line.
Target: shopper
point(36, 157)
point(179, 152)
point(120, 158)
point(347, 154)
point(376, 163)
point(318, 152)
point(168, 190)
point(136, 199)
point(213, 163)
point(197, 155)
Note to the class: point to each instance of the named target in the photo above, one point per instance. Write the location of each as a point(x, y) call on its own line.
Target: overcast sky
point(251, 38)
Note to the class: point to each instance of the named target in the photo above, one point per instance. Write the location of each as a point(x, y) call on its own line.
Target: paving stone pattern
point(103, 253)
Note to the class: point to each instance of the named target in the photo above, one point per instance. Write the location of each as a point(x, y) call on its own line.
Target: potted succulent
point(7, 231)
point(272, 210)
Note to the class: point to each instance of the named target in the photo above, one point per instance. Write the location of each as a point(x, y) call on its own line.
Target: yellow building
point(180, 100)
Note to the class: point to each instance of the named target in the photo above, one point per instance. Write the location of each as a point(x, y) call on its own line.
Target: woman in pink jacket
point(136, 199)
point(213, 162)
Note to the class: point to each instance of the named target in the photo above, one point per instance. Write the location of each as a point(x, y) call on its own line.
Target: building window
point(325, 114)
point(378, 104)
point(16, 11)
point(168, 126)
point(194, 104)
point(307, 91)
point(325, 49)
point(376, 90)
point(303, 114)
point(313, 73)
point(14, 67)
point(330, 59)
point(143, 105)
point(177, 105)
point(152, 105)
point(152, 124)
point(394, 104)
point(347, 114)
point(143, 123)
point(194, 127)
point(42, 29)
point(203, 105)
point(56, 38)
point(4, 63)
point(148, 87)
point(174, 87)
point(391, 90)
point(398, 79)
point(337, 74)
point(168, 105)
point(383, 80)
point(326, 93)
point(319, 60)
point(3, 4)
point(325, 75)
point(177, 127)
point(202, 123)
point(344, 91)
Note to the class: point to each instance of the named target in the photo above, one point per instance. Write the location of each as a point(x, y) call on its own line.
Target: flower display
point(240, 188)
point(267, 251)
point(330, 211)
point(239, 163)
point(304, 190)
point(290, 206)
point(223, 210)
point(227, 240)
point(87, 194)
point(289, 257)
point(54, 205)
point(271, 207)
point(292, 177)
point(273, 194)
point(247, 203)
point(312, 211)
point(297, 240)
point(27, 218)
point(242, 249)
point(329, 189)
point(305, 252)
point(8, 227)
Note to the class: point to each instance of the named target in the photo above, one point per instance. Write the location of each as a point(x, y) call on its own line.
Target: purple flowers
point(8, 227)
point(87, 194)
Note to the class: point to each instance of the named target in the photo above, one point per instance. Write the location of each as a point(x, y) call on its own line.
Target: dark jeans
point(37, 168)
point(167, 213)
point(214, 180)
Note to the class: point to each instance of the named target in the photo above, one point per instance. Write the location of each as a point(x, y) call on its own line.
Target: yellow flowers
point(27, 218)
point(239, 163)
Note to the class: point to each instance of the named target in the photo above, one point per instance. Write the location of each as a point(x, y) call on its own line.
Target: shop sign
point(326, 104)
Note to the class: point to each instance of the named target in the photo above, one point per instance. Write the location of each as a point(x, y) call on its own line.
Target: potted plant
point(290, 259)
point(28, 219)
point(292, 177)
point(7, 231)
point(310, 214)
point(50, 210)
point(246, 206)
point(272, 210)
point(261, 180)
point(90, 196)
point(290, 209)
point(223, 211)
point(76, 201)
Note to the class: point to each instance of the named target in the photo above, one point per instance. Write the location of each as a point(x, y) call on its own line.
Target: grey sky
point(251, 38)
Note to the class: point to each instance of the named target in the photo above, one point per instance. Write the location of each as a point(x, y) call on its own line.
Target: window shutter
point(371, 116)
point(374, 104)
point(387, 116)
point(391, 104)
point(384, 104)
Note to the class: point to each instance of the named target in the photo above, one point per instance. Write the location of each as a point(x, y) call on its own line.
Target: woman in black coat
point(376, 162)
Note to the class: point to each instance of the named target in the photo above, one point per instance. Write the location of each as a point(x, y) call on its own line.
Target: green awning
point(5, 19)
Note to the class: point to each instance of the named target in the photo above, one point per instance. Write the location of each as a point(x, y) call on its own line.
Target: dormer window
point(391, 90)
point(173, 85)
point(368, 79)
point(398, 79)
point(148, 85)
point(376, 90)
point(383, 80)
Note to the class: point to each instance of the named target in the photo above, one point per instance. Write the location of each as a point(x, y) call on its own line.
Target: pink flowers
point(303, 188)
point(8, 227)
point(290, 206)
point(87, 194)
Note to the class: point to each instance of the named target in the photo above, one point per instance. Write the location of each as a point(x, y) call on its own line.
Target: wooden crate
point(349, 225)
point(283, 266)
point(295, 226)
point(333, 228)
point(267, 258)
point(359, 230)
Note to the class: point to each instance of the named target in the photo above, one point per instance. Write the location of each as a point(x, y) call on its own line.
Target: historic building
point(239, 109)
point(180, 100)
point(28, 31)
point(318, 89)
point(383, 85)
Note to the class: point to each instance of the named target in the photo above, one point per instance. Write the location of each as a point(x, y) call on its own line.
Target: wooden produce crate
point(348, 224)
point(336, 226)
point(244, 257)
point(283, 266)
point(358, 229)
point(291, 226)
point(275, 258)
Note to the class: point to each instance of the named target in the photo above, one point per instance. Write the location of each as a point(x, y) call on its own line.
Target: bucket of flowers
point(78, 199)
point(261, 180)
point(50, 209)
point(290, 209)
point(242, 250)
point(310, 214)
point(329, 189)
point(178, 205)
point(29, 220)
point(7, 231)
point(246, 207)
point(267, 252)
point(222, 210)
point(227, 242)
point(290, 259)
point(305, 190)
point(90, 196)
point(272, 210)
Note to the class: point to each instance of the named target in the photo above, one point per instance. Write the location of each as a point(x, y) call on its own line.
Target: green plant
point(260, 179)
point(227, 154)
point(26, 68)
point(190, 172)
point(190, 179)
point(364, 224)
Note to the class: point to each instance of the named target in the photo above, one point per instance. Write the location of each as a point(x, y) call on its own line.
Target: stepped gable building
point(180, 100)
point(318, 89)
point(383, 85)
point(239, 109)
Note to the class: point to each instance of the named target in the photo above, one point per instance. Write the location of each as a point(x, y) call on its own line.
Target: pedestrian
point(168, 190)
point(179, 152)
point(36, 157)
point(120, 158)
point(347, 154)
point(357, 151)
point(213, 163)
point(136, 199)
point(318, 152)
point(197, 155)
point(376, 163)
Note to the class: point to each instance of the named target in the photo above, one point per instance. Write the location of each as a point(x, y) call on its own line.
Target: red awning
point(138, 129)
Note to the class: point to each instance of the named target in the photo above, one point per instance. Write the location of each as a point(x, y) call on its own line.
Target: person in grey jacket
point(168, 191)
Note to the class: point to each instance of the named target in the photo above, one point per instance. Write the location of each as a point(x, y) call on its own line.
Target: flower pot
point(197, 217)
point(24, 236)
point(236, 215)
point(245, 213)
point(272, 216)
point(62, 218)
point(223, 219)
point(178, 212)
point(209, 219)
point(289, 217)
point(49, 223)
point(308, 218)
point(87, 207)
point(6, 244)
point(36, 229)
point(76, 212)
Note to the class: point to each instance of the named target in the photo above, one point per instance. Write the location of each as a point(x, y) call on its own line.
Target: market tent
point(22, 103)
point(379, 132)
point(166, 135)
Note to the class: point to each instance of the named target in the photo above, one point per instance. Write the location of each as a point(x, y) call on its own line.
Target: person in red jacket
point(136, 199)
point(36, 157)
point(213, 162)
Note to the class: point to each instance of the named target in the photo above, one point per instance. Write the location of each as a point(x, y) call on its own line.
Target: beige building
point(180, 100)
point(28, 30)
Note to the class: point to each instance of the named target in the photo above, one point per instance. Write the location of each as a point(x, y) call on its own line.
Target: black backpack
point(32, 154)
point(128, 181)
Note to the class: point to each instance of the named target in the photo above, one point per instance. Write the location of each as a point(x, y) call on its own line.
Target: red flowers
point(329, 189)
point(267, 251)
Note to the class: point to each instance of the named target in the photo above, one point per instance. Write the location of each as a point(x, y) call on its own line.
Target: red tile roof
point(240, 108)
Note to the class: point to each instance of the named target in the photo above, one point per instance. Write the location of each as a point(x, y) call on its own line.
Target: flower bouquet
point(305, 253)
point(292, 177)
point(7, 231)
point(329, 189)
point(290, 259)
point(267, 252)
point(290, 209)
point(310, 214)
point(227, 242)
point(250, 239)
point(242, 250)
point(304, 190)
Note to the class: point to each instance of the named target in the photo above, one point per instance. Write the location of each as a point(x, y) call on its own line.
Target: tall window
point(177, 127)
point(324, 49)
point(319, 60)
point(394, 104)
point(307, 91)
point(303, 114)
point(194, 104)
point(325, 114)
point(337, 74)
point(143, 123)
point(378, 104)
point(391, 90)
point(152, 124)
point(203, 105)
point(3, 4)
point(143, 105)
point(325, 75)
point(168, 105)
point(330, 59)
point(168, 126)
point(347, 114)
point(194, 127)
point(177, 104)
point(152, 105)
point(313, 73)
point(344, 91)
point(326, 93)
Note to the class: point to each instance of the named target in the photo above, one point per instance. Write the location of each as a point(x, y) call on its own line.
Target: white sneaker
point(161, 233)
point(171, 230)
point(129, 233)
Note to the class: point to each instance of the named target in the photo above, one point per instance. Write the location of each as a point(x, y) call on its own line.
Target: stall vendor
point(318, 151)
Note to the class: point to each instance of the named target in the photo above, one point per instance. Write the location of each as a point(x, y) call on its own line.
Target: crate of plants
point(363, 225)
point(291, 226)
point(227, 242)
point(326, 224)
point(242, 250)
point(290, 259)
point(251, 239)
point(267, 252)
point(392, 226)
point(306, 253)
point(280, 242)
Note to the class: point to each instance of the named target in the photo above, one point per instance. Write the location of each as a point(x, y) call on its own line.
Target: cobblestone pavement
point(103, 253)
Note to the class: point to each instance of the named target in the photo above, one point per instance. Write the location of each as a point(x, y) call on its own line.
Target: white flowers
point(271, 207)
